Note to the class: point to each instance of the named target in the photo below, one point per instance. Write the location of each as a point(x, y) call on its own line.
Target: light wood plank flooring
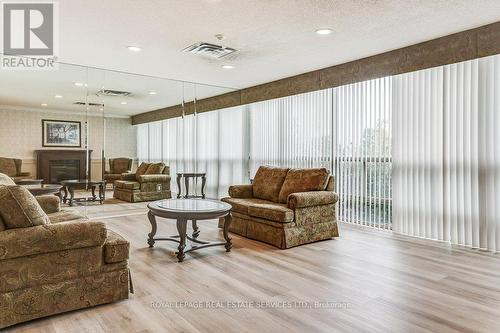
point(378, 281)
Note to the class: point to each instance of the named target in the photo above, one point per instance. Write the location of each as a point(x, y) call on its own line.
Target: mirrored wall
point(71, 128)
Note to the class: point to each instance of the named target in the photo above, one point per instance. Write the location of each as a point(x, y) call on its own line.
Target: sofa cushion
point(155, 169)
point(64, 216)
point(241, 205)
point(127, 185)
point(116, 248)
point(267, 183)
point(120, 165)
point(20, 209)
point(8, 166)
point(6, 180)
point(271, 211)
point(141, 170)
point(303, 180)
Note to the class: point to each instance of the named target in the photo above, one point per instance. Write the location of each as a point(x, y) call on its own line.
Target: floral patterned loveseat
point(285, 207)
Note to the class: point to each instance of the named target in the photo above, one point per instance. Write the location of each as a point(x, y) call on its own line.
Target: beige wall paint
point(21, 135)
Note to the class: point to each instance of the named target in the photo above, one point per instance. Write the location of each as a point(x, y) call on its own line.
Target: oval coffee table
point(183, 210)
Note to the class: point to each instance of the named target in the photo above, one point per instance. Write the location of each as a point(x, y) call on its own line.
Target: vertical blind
point(362, 150)
point(431, 137)
point(446, 170)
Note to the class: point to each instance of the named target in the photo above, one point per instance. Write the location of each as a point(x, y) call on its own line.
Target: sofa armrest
point(21, 242)
point(312, 198)
point(128, 176)
point(49, 203)
point(241, 191)
point(24, 174)
point(154, 178)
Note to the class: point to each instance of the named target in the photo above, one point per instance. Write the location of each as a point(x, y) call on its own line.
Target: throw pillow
point(141, 170)
point(155, 169)
point(20, 209)
point(303, 180)
point(267, 183)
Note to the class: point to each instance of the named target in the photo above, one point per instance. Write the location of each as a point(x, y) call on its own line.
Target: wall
point(21, 135)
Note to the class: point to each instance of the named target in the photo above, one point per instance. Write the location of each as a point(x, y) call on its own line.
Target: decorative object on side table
point(187, 176)
point(70, 185)
point(61, 133)
point(183, 210)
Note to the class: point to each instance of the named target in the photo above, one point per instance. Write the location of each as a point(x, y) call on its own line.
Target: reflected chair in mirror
point(117, 166)
point(12, 168)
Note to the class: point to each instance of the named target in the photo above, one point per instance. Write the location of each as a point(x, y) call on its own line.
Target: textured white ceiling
point(275, 38)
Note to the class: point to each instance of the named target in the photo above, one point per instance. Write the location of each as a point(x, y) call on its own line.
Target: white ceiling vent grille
point(209, 50)
point(113, 93)
point(89, 104)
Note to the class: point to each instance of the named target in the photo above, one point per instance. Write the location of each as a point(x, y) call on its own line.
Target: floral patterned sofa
point(12, 168)
point(53, 261)
point(285, 207)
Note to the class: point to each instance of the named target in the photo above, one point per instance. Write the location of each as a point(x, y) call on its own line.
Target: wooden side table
point(187, 176)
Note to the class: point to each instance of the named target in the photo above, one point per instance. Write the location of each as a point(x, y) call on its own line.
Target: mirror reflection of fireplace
point(63, 170)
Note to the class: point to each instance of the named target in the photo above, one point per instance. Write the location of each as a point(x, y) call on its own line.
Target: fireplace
point(53, 166)
point(60, 170)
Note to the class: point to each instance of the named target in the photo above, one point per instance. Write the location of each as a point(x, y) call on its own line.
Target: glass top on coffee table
point(191, 205)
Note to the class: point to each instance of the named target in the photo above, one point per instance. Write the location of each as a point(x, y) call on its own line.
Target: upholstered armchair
point(54, 261)
point(285, 207)
point(150, 182)
point(117, 166)
point(12, 168)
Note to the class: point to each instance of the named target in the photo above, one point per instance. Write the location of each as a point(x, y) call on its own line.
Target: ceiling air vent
point(89, 104)
point(209, 50)
point(113, 93)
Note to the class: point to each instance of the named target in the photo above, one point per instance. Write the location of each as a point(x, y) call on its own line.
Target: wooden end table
point(183, 210)
point(187, 176)
point(44, 189)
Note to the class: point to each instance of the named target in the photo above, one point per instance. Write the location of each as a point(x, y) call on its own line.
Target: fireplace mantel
point(58, 157)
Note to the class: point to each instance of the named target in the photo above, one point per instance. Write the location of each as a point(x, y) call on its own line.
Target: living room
point(288, 166)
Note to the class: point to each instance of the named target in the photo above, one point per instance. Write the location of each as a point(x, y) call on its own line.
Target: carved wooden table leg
point(94, 197)
point(203, 182)
point(196, 230)
point(227, 223)
point(181, 228)
point(65, 194)
point(71, 195)
point(179, 185)
point(186, 183)
point(102, 193)
point(152, 234)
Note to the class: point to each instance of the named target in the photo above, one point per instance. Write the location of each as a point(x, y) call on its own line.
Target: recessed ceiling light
point(227, 66)
point(324, 31)
point(44, 104)
point(152, 92)
point(58, 96)
point(123, 103)
point(134, 48)
point(80, 84)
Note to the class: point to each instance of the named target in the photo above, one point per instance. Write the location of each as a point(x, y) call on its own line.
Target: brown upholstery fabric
point(241, 204)
point(8, 166)
point(128, 176)
point(267, 183)
point(120, 165)
point(313, 198)
point(157, 178)
point(6, 180)
point(127, 184)
point(271, 211)
point(2, 225)
point(63, 216)
point(49, 203)
point(303, 180)
point(241, 191)
point(141, 170)
point(331, 184)
point(116, 248)
point(155, 169)
point(50, 238)
point(20, 209)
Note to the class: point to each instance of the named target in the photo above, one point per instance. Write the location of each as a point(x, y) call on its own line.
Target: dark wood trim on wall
point(466, 45)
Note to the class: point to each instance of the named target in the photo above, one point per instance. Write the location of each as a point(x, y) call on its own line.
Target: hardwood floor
point(375, 282)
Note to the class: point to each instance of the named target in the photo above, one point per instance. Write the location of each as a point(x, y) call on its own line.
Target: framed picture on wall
point(61, 133)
